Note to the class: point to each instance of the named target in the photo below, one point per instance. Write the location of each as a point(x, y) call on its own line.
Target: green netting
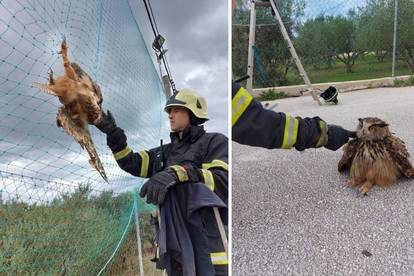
point(259, 67)
point(56, 213)
point(336, 40)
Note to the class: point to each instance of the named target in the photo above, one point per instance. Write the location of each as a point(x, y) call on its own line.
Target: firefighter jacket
point(196, 157)
point(254, 125)
point(189, 241)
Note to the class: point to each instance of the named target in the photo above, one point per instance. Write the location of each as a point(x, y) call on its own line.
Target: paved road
point(293, 213)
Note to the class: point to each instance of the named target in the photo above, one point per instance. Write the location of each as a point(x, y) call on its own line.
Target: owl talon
point(51, 79)
point(362, 194)
point(365, 188)
point(352, 183)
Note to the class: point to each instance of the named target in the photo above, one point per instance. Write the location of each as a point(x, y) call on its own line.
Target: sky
point(197, 42)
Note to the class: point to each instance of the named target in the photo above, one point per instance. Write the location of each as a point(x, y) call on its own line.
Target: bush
point(76, 233)
point(270, 95)
point(402, 83)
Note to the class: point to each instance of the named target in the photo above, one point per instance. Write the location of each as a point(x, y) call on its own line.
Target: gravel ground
point(293, 213)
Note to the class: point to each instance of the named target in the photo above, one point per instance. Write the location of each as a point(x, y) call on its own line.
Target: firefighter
point(193, 156)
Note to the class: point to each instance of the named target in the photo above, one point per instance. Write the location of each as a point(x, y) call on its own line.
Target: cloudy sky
point(197, 42)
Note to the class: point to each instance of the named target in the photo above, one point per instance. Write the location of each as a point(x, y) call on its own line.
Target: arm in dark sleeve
point(254, 125)
point(214, 169)
point(136, 163)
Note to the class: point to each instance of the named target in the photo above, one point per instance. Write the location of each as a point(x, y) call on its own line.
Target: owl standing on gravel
point(375, 157)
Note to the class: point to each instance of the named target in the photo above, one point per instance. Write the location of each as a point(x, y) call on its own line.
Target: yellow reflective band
point(208, 179)
point(219, 258)
point(181, 173)
point(323, 138)
point(290, 134)
point(295, 131)
point(123, 153)
point(239, 104)
point(144, 163)
point(216, 164)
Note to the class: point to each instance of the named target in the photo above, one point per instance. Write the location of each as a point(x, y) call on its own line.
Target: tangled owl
point(81, 99)
point(375, 157)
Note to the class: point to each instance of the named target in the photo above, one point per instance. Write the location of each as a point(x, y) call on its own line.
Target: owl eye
point(381, 125)
point(378, 125)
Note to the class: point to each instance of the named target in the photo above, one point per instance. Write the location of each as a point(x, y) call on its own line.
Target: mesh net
point(56, 213)
point(336, 40)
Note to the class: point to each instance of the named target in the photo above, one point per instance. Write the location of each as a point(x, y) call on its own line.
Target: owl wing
point(82, 136)
point(349, 153)
point(399, 154)
point(45, 88)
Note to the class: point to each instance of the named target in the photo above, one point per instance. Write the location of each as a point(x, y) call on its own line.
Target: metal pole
point(394, 43)
point(293, 53)
point(167, 86)
point(252, 31)
point(138, 233)
point(164, 272)
point(221, 230)
point(165, 80)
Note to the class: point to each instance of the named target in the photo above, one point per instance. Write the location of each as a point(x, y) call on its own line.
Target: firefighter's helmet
point(190, 100)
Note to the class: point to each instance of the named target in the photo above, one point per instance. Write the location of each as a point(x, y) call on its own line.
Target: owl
point(81, 100)
point(375, 157)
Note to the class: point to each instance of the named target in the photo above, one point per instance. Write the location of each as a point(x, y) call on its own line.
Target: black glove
point(107, 123)
point(157, 186)
point(338, 136)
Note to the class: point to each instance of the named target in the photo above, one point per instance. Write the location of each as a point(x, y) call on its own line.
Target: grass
point(76, 233)
point(126, 262)
point(367, 67)
point(402, 83)
point(270, 95)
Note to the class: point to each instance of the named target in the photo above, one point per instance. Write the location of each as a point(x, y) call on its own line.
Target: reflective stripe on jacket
point(254, 125)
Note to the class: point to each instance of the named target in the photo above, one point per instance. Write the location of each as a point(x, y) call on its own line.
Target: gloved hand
point(107, 123)
point(338, 136)
point(157, 186)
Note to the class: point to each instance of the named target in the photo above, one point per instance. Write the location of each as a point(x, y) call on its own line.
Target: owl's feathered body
point(81, 99)
point(376, 156)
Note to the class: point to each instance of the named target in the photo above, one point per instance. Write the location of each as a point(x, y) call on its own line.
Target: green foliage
point(321, 42)
point(126, 262)
point(405, 41)
point(376, 28)
point(327, 37)
point(402, 83)
point(270, 95)
point(274, 55)
point(367, 67)
point(78, 233)
point(313, 44)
